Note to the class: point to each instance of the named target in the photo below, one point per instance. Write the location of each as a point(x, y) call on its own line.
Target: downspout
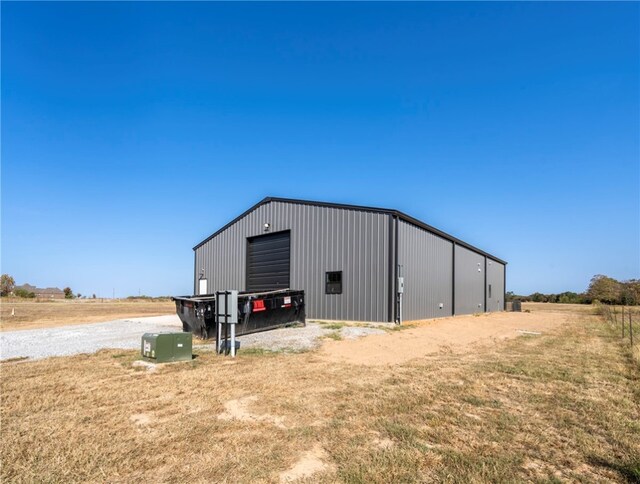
point(453, 280)
point(391, 313)
point(397, 273)
point(485, 284)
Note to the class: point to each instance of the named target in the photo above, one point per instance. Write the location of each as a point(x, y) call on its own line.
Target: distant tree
point(78, 295)
point(570, 298)
point(605, 289)
point(538, 297)
point(630, 293)
point(68, 293)
point(7, 283)
point(93, 296)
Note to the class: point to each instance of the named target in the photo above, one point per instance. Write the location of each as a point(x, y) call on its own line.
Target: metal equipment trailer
point(256, 311)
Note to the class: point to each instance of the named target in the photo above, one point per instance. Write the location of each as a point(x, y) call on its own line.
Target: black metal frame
point(326, 283)
point(246, 255)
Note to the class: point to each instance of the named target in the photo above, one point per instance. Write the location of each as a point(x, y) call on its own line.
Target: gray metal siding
point(469, 281)
point(495, 278)
point(426, 261)
point(322, 239)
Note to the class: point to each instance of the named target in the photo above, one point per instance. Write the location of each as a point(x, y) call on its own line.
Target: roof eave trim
point(446, 236)
point(244, 214)
point(397, 213)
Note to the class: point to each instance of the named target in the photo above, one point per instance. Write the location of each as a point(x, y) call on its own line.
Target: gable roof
point(396, 213)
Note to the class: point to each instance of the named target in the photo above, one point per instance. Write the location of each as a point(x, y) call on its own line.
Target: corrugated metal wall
point(469, 281)
point(358, 243)
point(495, 278)
point(427, 262)
point(322, 239)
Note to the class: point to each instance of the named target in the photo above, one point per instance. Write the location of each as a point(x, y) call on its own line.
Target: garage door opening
point(268, 261)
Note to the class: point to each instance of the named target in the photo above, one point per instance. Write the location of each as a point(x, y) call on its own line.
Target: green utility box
point(163, 347)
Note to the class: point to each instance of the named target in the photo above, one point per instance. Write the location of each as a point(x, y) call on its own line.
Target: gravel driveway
point(300, 338)
point(126, 334)
point(82, 338)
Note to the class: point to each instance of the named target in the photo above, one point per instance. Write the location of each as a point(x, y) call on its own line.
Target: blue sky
point(131, 131)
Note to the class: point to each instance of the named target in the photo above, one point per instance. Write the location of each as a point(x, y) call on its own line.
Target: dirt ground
point(18, 313)
point(560, 406)
point(420, 338)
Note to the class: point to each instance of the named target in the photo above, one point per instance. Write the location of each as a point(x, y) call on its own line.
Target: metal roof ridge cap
point(345, 206)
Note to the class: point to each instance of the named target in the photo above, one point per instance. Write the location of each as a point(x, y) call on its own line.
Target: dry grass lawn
point(34, 313)
point(561, 406)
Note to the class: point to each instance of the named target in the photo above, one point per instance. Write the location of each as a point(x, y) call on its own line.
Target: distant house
point(48, 292)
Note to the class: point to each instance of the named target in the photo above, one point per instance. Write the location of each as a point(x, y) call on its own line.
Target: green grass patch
point(258, 352)
point(252, 352)
point(334, 335)
point(398, 327)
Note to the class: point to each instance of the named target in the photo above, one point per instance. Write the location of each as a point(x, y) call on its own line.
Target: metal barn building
point(351, 261)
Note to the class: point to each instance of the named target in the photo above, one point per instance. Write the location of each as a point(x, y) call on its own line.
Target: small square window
point(333, 282)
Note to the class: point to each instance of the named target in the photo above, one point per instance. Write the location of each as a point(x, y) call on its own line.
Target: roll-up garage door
point(268, 258)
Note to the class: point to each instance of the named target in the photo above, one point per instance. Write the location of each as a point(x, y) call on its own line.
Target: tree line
point(601, 288)
point(8, 288)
